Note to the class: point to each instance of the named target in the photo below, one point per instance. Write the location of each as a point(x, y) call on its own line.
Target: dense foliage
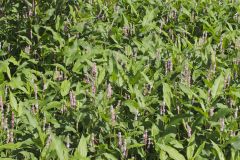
point(128, 79)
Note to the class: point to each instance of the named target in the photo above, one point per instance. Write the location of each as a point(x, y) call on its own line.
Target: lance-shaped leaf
point(172, 152)
point(217, 86)
point(167, 94)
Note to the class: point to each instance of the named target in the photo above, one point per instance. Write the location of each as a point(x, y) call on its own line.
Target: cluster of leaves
point(107, 79)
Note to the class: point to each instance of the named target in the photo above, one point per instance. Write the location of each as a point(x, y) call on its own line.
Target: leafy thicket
point(107, 79)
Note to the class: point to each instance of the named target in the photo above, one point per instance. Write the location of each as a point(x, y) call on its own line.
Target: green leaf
point(235, 93)
point(186, 90)
point(217, 86)
point(31, 119)
point(132, 105)
point(163, 155)
point(147, 19)
point(5, 68)
point(154, 130)
point(54, 104)
point(167, 94)
point(82, 148)
point(110, 156)
point(199, 150)
point(219, 151)
point(60, 148)
point(101, 76)
point(191, 147)
point(13, 101)
point(135, 145)
point(236, 143)
point(172, 152)
point(11, 146)
point(65, 87)
point(20, 108)
point(26, 39)
point(146, 78)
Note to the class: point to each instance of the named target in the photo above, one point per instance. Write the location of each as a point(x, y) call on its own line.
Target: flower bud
point(236, 113)
point(113, 115)
point(72, 96)
point(145, 137)
point(8, 136)
point(189, 131)
point(119, 140)
point(44, 122)
point(1, 104)
point(162, 109)
point(222, 124)
point(109, 91)
point(124, 148)
point(49, 140)
point(232, 133)
point(211, 112)
point(94, 71)
point(149, 143)
point(6, 123)
point(2, 120)
point(136, 115)
point(68, 142)
point(178, 109)
point(12, 120)
point(11, 136)
point(93, 88)
point(92, 140)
